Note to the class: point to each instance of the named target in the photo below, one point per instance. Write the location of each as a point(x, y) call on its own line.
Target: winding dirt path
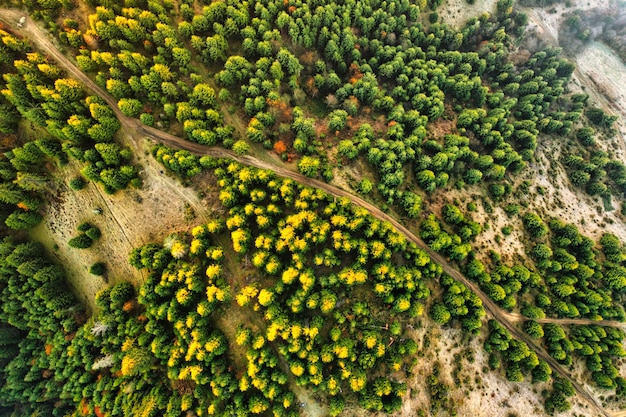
point(137, 131)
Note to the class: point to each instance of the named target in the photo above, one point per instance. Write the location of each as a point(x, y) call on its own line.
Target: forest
point(396, 131)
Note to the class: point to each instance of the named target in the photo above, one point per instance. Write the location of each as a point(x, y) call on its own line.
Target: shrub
point(84, 226)
point(77, 183)
point(99, 268)
point(81, 241)
point(94, 233)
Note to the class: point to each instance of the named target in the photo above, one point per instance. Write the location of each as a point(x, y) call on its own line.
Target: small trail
point(137, 131)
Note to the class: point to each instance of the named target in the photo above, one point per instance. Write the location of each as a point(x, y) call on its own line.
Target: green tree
point(130, 107)
point(440, 313)
point(309, 166)
point(81, 241)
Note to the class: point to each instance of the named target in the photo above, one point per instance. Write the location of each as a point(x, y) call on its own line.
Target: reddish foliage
point(291, 9)
point(8, 141)
point(23, 206)
point(48, 349)
point(84, 407)
point(310, 86)
point(307, 58)
point(98, 412)
point(90, 40)
point(129, 306)
point(355, 71)
point(280, 147)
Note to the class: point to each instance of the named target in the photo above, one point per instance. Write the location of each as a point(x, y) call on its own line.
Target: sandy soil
point(129, 219)
point(457, 12)
point(601, 72)
point(475, 392)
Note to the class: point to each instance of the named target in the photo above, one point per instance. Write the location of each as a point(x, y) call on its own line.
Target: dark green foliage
point(35, 326)
point(557, 400)
point(181, 162)
point(440, 313)
point(599, 118)
point(535, 226)
point(533, 329)
point(81, 241)
point(99, 268)
point(585, 136)
point(93, 233)
point(77, 183)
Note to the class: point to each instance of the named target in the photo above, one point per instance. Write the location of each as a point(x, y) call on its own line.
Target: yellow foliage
point(272, 332)
point(287, 233)
point(307, 279)
point(182, 296)
point(214, 293)
point(198, 231)
point(289, 275)
point(286, 402)
point(380, 350)
point(296, 331)
point(245, 295)
point(128, 364)
point(216, 254)
point(265, 297)
point(186, 403)
point(213, 271)
point(404, 304)
point(296, 369)
point(357, 383)
point(341, 352)
point(244, 383)
point(214, 226)
point(273, 266)
point(239, 238)
point(127, 345)
point(179, 249)
point(259, 258)
point(262, 221)
point(258, 342)
point(196, 246)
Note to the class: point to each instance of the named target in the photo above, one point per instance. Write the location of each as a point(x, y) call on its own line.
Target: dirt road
point(137, 132)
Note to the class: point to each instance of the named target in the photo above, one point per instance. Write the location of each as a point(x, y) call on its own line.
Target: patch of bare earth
point(128, 219)
point(474, 389)
point(456, 12)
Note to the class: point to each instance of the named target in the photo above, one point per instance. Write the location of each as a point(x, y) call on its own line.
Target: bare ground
point(129, 218)
point(457, 12)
